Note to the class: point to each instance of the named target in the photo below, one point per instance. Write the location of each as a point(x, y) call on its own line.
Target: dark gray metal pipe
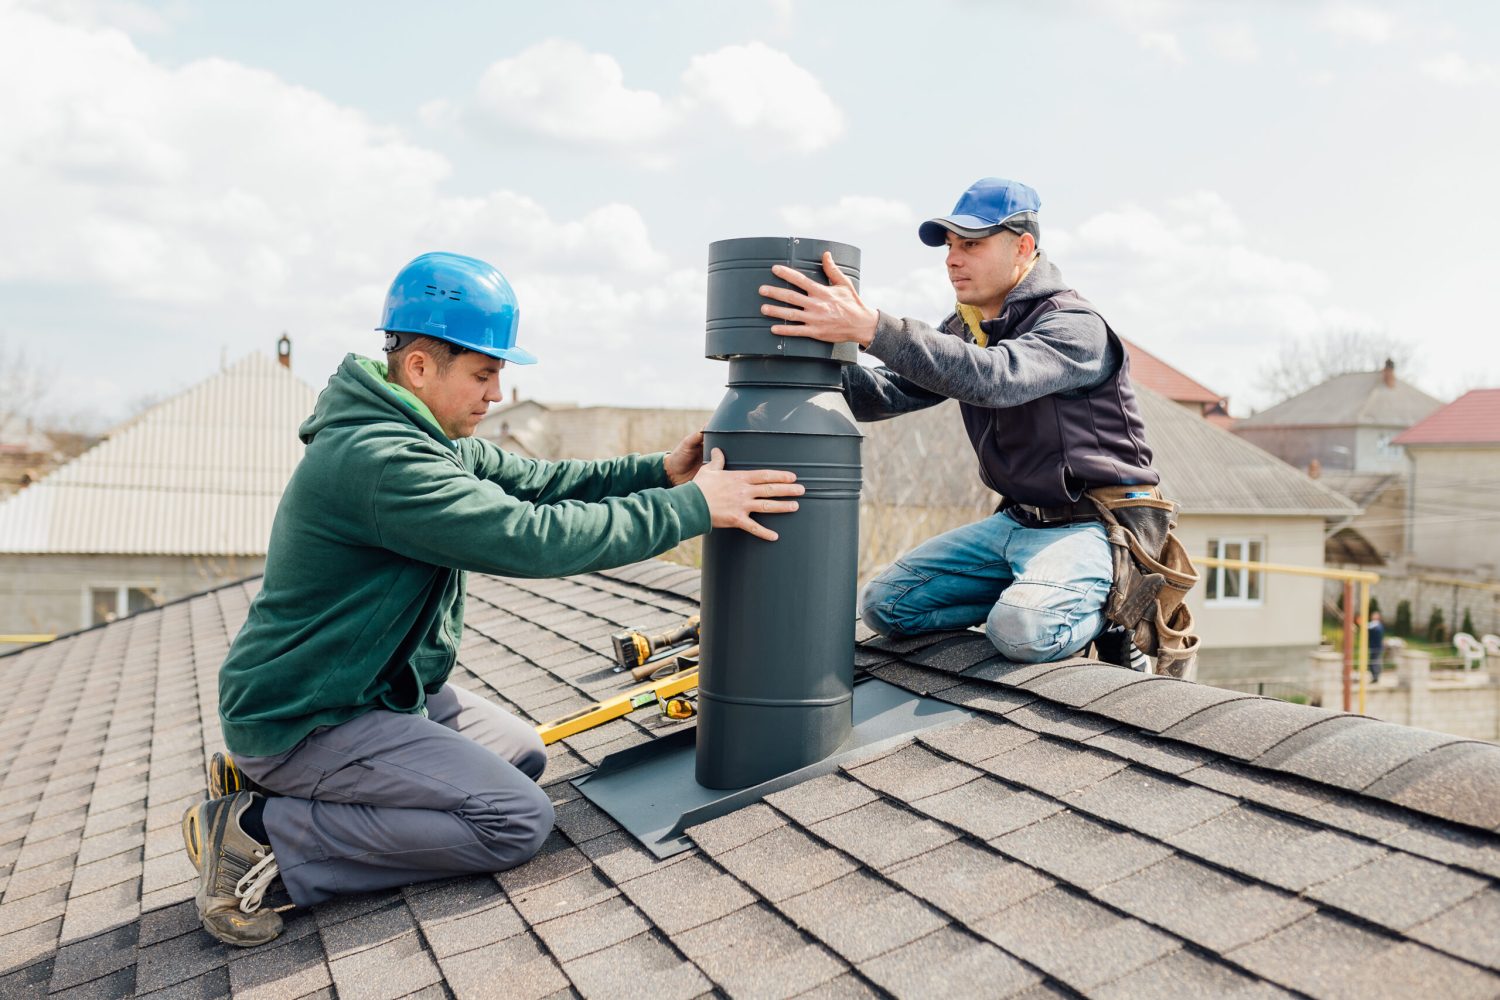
point(775, 685)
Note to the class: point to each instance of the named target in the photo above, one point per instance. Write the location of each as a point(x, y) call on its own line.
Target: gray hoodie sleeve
point(1065, 351)
point(879, 393)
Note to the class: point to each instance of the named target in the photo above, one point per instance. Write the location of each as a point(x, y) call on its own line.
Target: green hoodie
point(362, 602)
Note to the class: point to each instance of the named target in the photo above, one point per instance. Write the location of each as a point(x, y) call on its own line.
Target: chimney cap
point(284, 350)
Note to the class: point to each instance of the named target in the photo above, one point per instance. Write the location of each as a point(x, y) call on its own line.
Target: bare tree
point(1306, 362)
point(23, 386)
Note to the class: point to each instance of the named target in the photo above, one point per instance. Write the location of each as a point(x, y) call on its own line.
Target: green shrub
point(1436, 632)
point(1469, 622)
point(1403, 618)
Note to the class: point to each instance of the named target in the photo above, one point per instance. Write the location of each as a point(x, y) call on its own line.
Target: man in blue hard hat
point(1043, 384)
point(357, 766)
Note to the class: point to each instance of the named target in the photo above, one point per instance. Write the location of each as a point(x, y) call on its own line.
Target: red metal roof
point(1473, 418)
point(1154, 373)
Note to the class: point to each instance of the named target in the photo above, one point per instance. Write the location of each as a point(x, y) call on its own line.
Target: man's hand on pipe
point(733, 496)
point(684, 461)
point(832, 313)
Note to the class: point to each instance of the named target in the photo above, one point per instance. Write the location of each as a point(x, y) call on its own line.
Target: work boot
point(234, 871)
point(225, 778)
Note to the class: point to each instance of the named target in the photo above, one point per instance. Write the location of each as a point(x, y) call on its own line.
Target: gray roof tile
point(740, 827)
point(1325, 956)
point(1202, 904)
point(115, 986)
point(860, 916)
point(987, 698)
point(756, 952)
point(281, 972)
point(581, 820)
point(1080, 850)
point(1398, 890)
point(620, 857)
point(178, 960)
point(1351, 752)
point(949, 963)
point(1075, 940)
point(955, 655)
point(211, 985)
point(821, 798)
point(1467, 930)
point(918, 680)
point(1064, 723)
point(1450, 844)
point(1154, 805)
point(1159, 706)
point(1459, 782)
point(912, 643)
point(529, 973)
point(968, 881)
point(556, 860)
point(1081, 685)
point(168, 922)
point(557, 899)
point(386, 971)
point(1280, 851)
point(1183, 975)
point(785, 862)
point(1000, 671)
point(976, 739)
point(1286, 793)
point(95, 957)
point(591, 930)
point(99, 911)
point(1053, 766)
point(654, 971)
point(1246, 728)
point(913, 772)
point(986, 808)
point(686, 895)
point(881, 834)
point(30, 943)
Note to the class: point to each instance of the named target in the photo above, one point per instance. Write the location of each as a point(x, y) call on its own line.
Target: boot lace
point(252, 886)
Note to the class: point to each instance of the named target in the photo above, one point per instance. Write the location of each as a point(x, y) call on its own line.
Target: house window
point(108, 603)
point(1235, 586)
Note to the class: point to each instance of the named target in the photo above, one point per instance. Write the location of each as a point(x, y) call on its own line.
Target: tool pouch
point(1152, 576)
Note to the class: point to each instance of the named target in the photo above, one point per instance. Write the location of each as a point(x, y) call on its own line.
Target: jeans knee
point(1026, 635)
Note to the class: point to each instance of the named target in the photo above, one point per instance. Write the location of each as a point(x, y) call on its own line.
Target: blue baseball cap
point(990, 205)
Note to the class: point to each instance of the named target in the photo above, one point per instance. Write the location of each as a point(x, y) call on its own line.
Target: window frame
point(122, 600)
point(1247, 579)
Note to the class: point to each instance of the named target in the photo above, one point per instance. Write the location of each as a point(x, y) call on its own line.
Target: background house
point(179, 499)
point(1453, 512)
point(1347, 424)
point(1155, 374)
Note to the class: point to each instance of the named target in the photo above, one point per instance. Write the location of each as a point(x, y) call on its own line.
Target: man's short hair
point(440, 351)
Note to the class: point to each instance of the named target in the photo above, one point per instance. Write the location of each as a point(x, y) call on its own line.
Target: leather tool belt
point(1051, 517)
point(1152, 575)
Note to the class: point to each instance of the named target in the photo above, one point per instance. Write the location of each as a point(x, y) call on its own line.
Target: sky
point(182, 182)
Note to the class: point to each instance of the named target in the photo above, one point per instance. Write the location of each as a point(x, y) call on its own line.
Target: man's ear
point(415, 367)
point(1026, 246)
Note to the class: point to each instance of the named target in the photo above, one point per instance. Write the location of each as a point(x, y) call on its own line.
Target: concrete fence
point(1461, 702)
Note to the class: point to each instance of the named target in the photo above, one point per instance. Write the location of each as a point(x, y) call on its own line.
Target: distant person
point(1376, 632)
point(1044, 387)
point(362, 767)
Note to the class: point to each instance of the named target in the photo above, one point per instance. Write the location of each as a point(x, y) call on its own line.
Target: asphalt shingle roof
point(1353, 399)
point(1089, 832)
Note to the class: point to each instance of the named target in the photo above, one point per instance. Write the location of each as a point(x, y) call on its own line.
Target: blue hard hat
point(458, 299)
point(988, 206)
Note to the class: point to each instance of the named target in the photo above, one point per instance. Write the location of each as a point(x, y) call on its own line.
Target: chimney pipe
point(775, 689)
point(284, 350)
point(1389, 373)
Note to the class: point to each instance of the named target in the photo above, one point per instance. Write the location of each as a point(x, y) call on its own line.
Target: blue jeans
point(1040, 592)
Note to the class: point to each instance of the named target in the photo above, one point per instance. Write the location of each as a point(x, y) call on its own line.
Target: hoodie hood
point(1043, 281)
point(358, 393)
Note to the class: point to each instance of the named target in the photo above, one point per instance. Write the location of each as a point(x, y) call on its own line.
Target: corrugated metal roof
point(1358, 398)
point(1211, 471)
point(199, 474)
point(1155, 374)
point(1473, 418)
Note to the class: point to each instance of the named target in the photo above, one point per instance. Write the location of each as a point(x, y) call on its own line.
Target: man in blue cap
point(1044, 388)
point(357, 766)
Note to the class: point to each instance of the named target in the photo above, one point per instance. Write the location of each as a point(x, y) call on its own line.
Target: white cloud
point(1163, 43)
point(560, 91)
point(226, 204)
point(852, 214)
point(1360, 23)
point(1452, 68)
point(1235, 42)
point(760, 89)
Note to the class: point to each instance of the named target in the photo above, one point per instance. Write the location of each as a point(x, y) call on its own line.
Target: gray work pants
point(389, 798)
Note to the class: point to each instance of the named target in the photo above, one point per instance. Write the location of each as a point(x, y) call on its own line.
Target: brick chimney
point(1389, 373)
point(284, 350)
point(1314, 469)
